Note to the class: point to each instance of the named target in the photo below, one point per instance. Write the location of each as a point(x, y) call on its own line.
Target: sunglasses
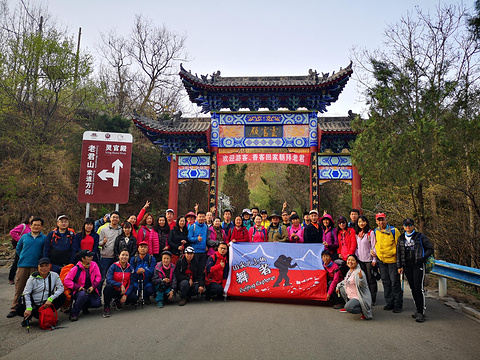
point(342, 222)
point(407, 224)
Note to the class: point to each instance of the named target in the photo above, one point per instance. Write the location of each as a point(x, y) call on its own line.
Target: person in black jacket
point(190, 277)
point(125, 240)
point(313, 231)
point(413, 249)
point(177, 238)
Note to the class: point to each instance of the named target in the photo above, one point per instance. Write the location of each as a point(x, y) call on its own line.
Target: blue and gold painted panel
point(198, 160)
point(334, 173)
point(265, 119)
point(334, 160)
point(193, 172)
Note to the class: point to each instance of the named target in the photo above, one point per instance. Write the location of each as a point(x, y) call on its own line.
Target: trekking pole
point(28, 325)
point(403, 280)
point(142, 283)
point(302, 272)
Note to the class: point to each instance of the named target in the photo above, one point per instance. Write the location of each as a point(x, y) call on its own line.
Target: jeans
point(392, 288)
point(186, 290)
point(105, 264)
point(83, 301)
point(214, 289)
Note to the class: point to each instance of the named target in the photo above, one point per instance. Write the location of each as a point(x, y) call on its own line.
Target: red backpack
point(47, 317)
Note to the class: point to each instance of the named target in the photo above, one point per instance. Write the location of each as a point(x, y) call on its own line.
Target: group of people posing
point(146, 257)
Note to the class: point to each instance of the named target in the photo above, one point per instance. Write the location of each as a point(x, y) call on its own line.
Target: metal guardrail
point(455, 272)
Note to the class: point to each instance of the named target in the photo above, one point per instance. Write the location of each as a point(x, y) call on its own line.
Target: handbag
point(47, 317)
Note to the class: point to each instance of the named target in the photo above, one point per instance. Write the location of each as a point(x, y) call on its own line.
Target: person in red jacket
point(238, 233)
point(334, 276)
point(216, 273)
point(347, 243)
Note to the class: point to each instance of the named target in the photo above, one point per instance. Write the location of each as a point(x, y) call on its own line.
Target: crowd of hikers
point(147, 259)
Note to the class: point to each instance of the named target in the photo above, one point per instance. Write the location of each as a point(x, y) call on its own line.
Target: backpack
point(47, 317)
point(70, 234)
point(264, 234)
point(392, 230)
point(135, 261)
point(63, 274)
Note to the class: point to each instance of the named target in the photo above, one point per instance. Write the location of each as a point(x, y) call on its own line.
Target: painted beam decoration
point(335, 167)
point(277, 271)
point(278, 158)
point(263, 130)
point(193, 167)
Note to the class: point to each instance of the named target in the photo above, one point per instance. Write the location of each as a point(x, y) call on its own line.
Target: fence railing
point(446, 270)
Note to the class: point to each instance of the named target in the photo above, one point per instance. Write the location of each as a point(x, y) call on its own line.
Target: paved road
point(244, 330)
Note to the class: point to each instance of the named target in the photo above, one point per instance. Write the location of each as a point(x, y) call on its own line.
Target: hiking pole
point(403, 280)
point(302, 273)
point(28, 325)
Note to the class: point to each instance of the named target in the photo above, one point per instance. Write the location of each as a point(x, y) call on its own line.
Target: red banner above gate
point(277, 158)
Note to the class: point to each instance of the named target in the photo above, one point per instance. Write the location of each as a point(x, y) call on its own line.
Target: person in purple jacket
point(334, 276)
point(330, 240)
point(83, 280)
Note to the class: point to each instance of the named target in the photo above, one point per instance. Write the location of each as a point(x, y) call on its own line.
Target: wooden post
point(173, 186)
point(356, 189)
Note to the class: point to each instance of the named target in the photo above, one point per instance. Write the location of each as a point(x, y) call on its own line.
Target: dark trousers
point(147, 291)
point(83, 301)
point(372, 282)
point(110, 293)
point(282, 275)
point(57, 303)
point(186, 290)
point(213, 289)
point(13, 269)
point(336, 298)
point(202, 260)
point(415, 275)
point(105, 264)
point(392, 288)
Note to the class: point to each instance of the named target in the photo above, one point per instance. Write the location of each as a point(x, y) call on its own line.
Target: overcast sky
point(253, 37)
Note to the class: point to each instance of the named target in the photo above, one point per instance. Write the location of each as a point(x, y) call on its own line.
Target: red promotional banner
point(105, 167)
point(277, 271)
point(282, 158)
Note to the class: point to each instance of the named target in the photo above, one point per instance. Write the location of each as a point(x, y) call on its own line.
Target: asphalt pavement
point(239, 329)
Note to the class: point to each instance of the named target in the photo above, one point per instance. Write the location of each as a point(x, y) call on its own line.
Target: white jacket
point(37, 289)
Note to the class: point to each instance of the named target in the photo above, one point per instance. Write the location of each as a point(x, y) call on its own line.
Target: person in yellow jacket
point(386, 251)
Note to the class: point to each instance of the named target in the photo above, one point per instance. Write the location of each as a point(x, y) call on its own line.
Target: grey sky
point(253, 38)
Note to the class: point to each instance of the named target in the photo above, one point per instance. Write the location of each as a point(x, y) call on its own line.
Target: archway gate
point(197, 147)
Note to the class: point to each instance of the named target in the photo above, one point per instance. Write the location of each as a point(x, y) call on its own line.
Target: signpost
point(105, 168)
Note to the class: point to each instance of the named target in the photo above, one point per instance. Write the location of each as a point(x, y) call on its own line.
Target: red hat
point(380, 215)
point(191, 213)
point(143, 243)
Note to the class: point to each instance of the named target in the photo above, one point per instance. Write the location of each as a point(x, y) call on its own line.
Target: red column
point(356, 189)
point(173, 187)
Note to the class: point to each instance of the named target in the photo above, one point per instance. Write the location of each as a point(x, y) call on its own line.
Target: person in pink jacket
point(16, 233)
point(147, 233)
point(216, 235)
point(83, 280)
point(295, 231)
point(257, 232)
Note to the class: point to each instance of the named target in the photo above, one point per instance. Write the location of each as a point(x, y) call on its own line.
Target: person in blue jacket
point(143, 269)
point(197, 237)
point(58, 245)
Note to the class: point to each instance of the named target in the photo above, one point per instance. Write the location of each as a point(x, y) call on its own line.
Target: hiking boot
point(337, 306)
point(106, 313)
point(414, 315)
point(24, 323)
point(420, 318)
point(388, 307)
point(182, 302)
point(12, 313)
point(74, 317)
point(118, 305)
point(397, 310)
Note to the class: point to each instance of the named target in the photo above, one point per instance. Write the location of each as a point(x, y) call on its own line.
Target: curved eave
point(167, 132)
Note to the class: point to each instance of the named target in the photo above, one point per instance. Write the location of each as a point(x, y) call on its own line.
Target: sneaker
point(337, 306)
point(182, 302)
point(118, 305)
point(420, 318)
point(397, 310)
point(74, 317)
point(363, 317)
point(159, 305)
point(106, 313)
point(414, 315)
point(388, 307)
point(11, 282)
point(343, 310)
point(12, 314)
